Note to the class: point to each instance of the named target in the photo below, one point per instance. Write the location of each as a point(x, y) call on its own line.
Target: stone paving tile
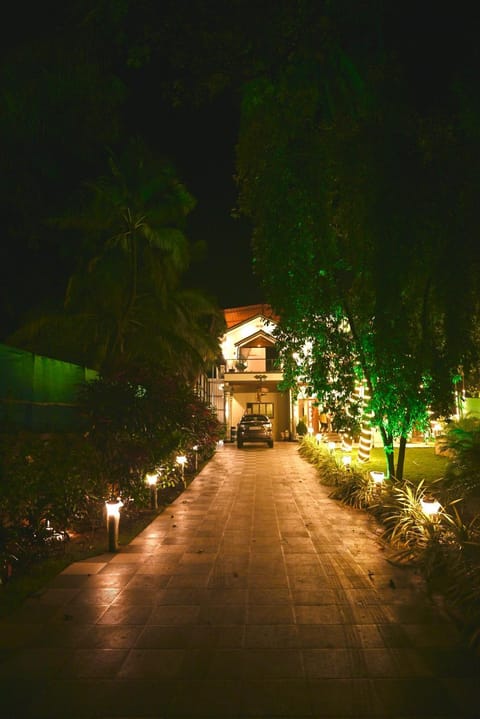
point(253, 595)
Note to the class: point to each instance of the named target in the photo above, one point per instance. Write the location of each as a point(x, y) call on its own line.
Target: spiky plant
point(356, 489)
point(407, 528)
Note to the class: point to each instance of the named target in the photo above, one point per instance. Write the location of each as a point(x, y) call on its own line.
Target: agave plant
point(356, 489)
point(407, 527)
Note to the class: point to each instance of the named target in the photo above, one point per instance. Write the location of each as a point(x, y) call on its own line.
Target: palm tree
point(126, 303)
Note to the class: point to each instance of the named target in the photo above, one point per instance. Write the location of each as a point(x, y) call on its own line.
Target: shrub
point(301, 428)
point(356, 489)
point(462, 476)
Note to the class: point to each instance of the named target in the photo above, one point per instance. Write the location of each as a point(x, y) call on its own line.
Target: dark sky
point(202, 147)
point(201, 141)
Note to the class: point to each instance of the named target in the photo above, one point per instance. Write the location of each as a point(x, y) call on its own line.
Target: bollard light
point(331, 447)
point(182, 461)
point(151, 479)
point(347, 461)
point(195, 449)
point(430, 506)
point(318, 437)
point(113, 507)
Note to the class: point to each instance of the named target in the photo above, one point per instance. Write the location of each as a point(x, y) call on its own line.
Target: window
point(260, 408)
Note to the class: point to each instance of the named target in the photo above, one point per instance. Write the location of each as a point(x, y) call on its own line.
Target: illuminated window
point(260, 408)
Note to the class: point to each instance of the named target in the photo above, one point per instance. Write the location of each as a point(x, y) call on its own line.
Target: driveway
point(253, 595)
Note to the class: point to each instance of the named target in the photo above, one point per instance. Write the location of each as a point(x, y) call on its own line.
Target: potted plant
point(241, 365)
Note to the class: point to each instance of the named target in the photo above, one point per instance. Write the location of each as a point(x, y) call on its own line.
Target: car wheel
point(239, 445)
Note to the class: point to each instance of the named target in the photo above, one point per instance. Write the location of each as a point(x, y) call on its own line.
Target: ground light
point(377, 477)
point(195, 449)
point(331, 447)
point(113, 507)
point(152, 479)
point(430, 506)
point(347, 461)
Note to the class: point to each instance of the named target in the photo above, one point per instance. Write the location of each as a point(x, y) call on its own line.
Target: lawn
point(420, 463)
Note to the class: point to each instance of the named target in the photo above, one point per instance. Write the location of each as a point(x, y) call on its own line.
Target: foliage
point(52, 478)
point(353, 230)
point(139, 423)
point(356, 488)
point(301, 428)
point(444, 547)
point(133, 426)
point(462, 476)
point(125, 305)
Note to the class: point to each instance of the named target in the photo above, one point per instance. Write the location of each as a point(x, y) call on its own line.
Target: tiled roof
point(237, 315)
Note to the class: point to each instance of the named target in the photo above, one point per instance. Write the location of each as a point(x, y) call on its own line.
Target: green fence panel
point(39, 393)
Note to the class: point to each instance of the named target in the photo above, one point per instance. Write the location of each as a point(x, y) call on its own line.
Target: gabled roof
point(258, 339)
point(236, 315)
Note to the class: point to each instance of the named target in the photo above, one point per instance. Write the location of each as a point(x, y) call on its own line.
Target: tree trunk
point(389, 452)
point(401, 459)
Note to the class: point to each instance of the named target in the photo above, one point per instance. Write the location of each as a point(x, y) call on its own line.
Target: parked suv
point(254, 428)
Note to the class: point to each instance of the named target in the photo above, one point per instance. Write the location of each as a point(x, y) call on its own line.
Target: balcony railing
point(255, 365)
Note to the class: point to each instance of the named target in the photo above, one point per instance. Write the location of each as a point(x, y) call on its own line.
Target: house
point(247, 380)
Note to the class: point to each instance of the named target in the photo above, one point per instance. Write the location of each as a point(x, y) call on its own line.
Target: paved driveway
point(254, 595)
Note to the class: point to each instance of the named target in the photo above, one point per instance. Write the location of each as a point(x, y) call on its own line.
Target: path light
point(151, 479)
point(347, 461)
point(430, 506)
point(318, 437)
point(377, 477)
point(182, 461)
point(331, 447)
point(195, 449)
point(310, 431)
point(113, 519)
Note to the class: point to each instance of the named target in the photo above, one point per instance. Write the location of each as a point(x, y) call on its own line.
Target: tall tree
point(354, 227)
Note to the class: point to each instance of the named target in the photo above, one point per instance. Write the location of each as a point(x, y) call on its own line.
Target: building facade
point(247, 380)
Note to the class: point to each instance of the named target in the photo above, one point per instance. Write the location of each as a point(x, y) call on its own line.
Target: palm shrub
point(442, 546)
point(355, 488)
point(330, 472)
point(406, 526)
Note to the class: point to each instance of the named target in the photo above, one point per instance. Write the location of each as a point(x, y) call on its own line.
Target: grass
point(420, 463)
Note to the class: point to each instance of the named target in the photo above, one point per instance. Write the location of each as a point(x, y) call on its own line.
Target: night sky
point(200, 140)
point(202, 146)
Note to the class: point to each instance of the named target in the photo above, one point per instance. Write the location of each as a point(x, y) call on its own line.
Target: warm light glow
point(151, 479)
point(195, 447)
point(181, 459)
point(430, 506)
point(220, 443)
point(113, 508)
point(347, 460)
point(377, 477)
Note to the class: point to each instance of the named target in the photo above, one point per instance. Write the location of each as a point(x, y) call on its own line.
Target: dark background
point(40, 170)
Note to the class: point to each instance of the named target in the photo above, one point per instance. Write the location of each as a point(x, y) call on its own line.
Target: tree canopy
point(363, 218)
point(125, 304)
